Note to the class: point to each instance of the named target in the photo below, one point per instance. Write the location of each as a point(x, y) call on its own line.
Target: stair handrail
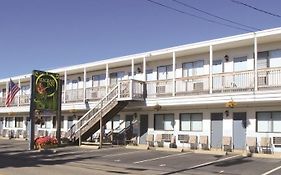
point(91, 110)
point(94, 115)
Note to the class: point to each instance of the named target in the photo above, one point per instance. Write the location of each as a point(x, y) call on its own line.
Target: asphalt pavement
point(15, 159)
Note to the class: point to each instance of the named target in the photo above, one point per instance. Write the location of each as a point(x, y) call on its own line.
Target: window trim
point(271, 121)
point(164, 114)
point(191, 129)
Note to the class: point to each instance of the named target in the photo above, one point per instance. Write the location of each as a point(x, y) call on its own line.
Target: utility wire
point(198, 17)
point(255, 8)
point(210, 14)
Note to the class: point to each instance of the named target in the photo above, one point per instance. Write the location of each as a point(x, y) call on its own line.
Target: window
point(116, 122)
point(217, 66)
point(164, 72)
point(240, 63)
point(191, 121)
point(19, 122)
point(263, 60)
point(9, 122)
point(193, 68)
point(275, 58)
point(70, 121)
point(268, 121)
point(47, 122)
point(149, 74)
point(164, 122)
point(99, 80)
point(116, 76)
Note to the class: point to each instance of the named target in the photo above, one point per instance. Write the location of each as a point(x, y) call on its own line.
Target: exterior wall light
point(226, 58)
point(157, 107)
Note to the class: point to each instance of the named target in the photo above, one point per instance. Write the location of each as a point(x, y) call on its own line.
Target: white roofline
point(196, 45)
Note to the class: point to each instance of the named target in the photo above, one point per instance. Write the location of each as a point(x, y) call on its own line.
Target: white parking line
point(157, 158)
point(212, 162)
point(271, 171)
point(120, 154)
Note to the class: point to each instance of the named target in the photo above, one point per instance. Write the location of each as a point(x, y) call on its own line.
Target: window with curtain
point(191, 121)
point(164, 122)
point(262, 60)
point(193, 68)
point(116, 76)
point(116, 122)
point(240, 63)
point(268, 121)
point(274, 58)
point(9, 122)
point(19, 122)
point(99, 80)
point(165, 72)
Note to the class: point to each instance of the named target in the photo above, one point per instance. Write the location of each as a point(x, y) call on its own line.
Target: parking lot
point(15, 159)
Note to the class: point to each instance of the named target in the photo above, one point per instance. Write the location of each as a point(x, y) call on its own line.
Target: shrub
point(44, 142)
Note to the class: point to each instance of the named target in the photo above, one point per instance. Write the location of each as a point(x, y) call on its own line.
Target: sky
point(49, 34)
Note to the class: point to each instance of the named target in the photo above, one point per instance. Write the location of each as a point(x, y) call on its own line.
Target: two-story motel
point(228, 87)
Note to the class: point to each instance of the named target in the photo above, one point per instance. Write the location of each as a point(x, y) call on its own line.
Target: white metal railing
point(24, 99)
point(159, 87)
point(233, 81)
point(193, 84)
point(95, 93)
point(74, 95)
point(269, 78)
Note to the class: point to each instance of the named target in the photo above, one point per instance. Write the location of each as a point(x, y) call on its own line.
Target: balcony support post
point(255, 63)
point(106, 78)
point(132, 68)
point(211, 70)
point(174, 73)
point(65, 84)
point(20, 93)
point(84, 84)
point(144, 68)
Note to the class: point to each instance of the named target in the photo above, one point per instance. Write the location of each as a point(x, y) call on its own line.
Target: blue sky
point(47, 34)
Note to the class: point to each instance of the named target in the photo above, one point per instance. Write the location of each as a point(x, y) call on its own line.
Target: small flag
point(13, 89)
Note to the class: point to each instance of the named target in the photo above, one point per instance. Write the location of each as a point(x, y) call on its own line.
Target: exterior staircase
point(110, 105)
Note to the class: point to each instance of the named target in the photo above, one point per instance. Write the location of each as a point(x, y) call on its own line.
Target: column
point(144, 68)
point(20, 93)
point(133, 68)
point(174, 73)
point(106, 78)
point(211, 70)
point(84, 84)
point(255, 62)
point(65, 84)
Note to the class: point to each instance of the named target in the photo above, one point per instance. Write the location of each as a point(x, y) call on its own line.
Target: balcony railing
point(95, 93)
point(74, 95)
point(269, 78)
point(233, 82)
point(230, 82)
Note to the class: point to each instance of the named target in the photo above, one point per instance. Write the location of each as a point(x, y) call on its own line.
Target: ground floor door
point(239, 130)
point(216, 130)
point(143, 128)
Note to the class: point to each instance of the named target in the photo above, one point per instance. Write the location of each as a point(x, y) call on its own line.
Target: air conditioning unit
point(198, 86)
point(161, 89)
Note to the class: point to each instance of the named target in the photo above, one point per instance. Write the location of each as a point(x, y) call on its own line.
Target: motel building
point(218, 94)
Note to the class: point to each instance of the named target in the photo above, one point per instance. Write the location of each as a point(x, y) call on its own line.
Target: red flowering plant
point(45, 142)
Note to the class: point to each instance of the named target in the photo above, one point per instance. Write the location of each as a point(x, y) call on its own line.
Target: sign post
point(45, 98)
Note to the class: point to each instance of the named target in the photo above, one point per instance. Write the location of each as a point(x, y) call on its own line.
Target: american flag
point(13, 89)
